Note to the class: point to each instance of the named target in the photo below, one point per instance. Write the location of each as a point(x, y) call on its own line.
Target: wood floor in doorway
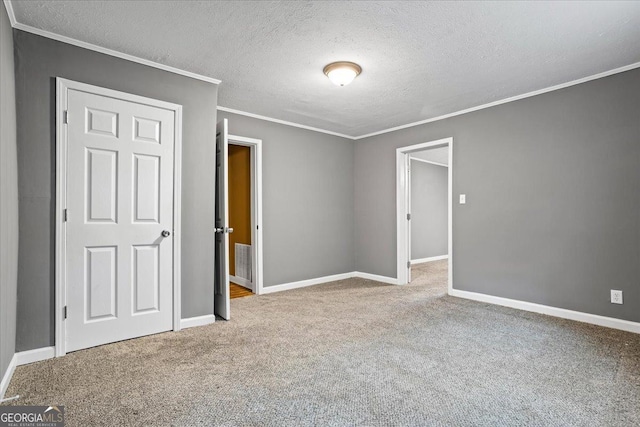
point(237, 291)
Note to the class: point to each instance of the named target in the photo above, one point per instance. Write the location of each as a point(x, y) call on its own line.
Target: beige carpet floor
point(353, 352)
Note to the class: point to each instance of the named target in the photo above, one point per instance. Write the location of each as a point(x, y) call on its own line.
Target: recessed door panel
point(101, 185)
point(101, 122)
point(146, 281)
point(146, 188)
point(146, 130)
point(101, 283)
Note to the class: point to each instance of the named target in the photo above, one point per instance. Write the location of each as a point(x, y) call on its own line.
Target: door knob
point(166, 233)
point(229, 230)
point(218, 230)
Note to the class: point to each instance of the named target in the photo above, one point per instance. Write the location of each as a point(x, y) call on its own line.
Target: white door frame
point(256, 205)
point(403, 207)
point(62, 88)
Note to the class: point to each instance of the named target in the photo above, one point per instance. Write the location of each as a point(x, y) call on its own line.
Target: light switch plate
point(463, 199)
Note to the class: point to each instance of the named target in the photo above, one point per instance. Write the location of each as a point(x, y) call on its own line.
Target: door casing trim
point(62, 88)
point(402, 207)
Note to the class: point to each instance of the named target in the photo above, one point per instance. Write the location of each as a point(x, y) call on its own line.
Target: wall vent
point(243, 261)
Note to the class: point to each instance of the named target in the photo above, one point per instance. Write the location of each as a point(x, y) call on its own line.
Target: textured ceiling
point(420, 59)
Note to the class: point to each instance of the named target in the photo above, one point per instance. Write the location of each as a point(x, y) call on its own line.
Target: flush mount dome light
point(342, 73)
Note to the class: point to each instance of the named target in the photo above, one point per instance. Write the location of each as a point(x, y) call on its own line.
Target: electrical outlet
point(463, 199)
point(616, 297)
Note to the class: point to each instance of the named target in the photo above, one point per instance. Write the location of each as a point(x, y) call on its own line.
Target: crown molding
point(283, 122)
point(10, 13)
point(100, 49)
point(506, 100)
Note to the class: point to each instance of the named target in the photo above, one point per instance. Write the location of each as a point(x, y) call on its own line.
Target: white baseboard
point(24, 358)
point(433, 258)
point(6, 378)
point(594, 319)
point(35, 355)
point(207, 319)
point(369, 276)
point(241, 281)
point(305, 283)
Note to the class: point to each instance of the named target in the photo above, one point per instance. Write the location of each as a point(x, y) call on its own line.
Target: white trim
point(375, 277)
point(110, 52)
point(257, 283)
point(6, 378)
point(450, 219)
point(409, 210)
point(327, 279)
point(241, 281)
point(402, 202)
point(62, 88)
point(506, 100)
point(177, 220)
point(429, 259)
point(594, 319)
point(24, 358)
point(428, 161)
point(60, 231)
point(207, 319)
point(305, 283)
point(35, 355)
point(10, 12)
point(259, 279)
point(283, 122)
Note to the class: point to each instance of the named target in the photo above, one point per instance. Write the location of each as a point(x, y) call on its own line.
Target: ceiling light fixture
point(342, 73)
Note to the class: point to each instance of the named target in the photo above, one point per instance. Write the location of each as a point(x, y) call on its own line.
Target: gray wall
point(552, 197)
point(307, 200)
point(38, 61)
point(429, 210)
point(8, 196)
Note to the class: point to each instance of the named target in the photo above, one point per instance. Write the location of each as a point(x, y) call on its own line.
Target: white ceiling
point(420, 59)
point(437, 155)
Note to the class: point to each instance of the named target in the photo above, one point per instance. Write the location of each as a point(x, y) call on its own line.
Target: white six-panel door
point(119, 227)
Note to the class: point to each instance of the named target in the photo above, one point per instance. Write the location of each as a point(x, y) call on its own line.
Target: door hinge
point(65, 311)
point(408, 217)
point(408, 264)
point(66, 117)
point(66, 217)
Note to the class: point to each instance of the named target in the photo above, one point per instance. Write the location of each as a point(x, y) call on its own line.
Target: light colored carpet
point(353, 352)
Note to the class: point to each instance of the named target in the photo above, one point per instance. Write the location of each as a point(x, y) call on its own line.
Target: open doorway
point(245, 197)
point(238, 262)
point(240, 219)
point(424, 206)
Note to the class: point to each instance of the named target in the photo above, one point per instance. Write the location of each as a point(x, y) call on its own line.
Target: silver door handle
point(223, 230)
point(166, 233)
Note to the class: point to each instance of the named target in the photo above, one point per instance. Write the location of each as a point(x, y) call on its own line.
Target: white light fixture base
point(342, 73)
